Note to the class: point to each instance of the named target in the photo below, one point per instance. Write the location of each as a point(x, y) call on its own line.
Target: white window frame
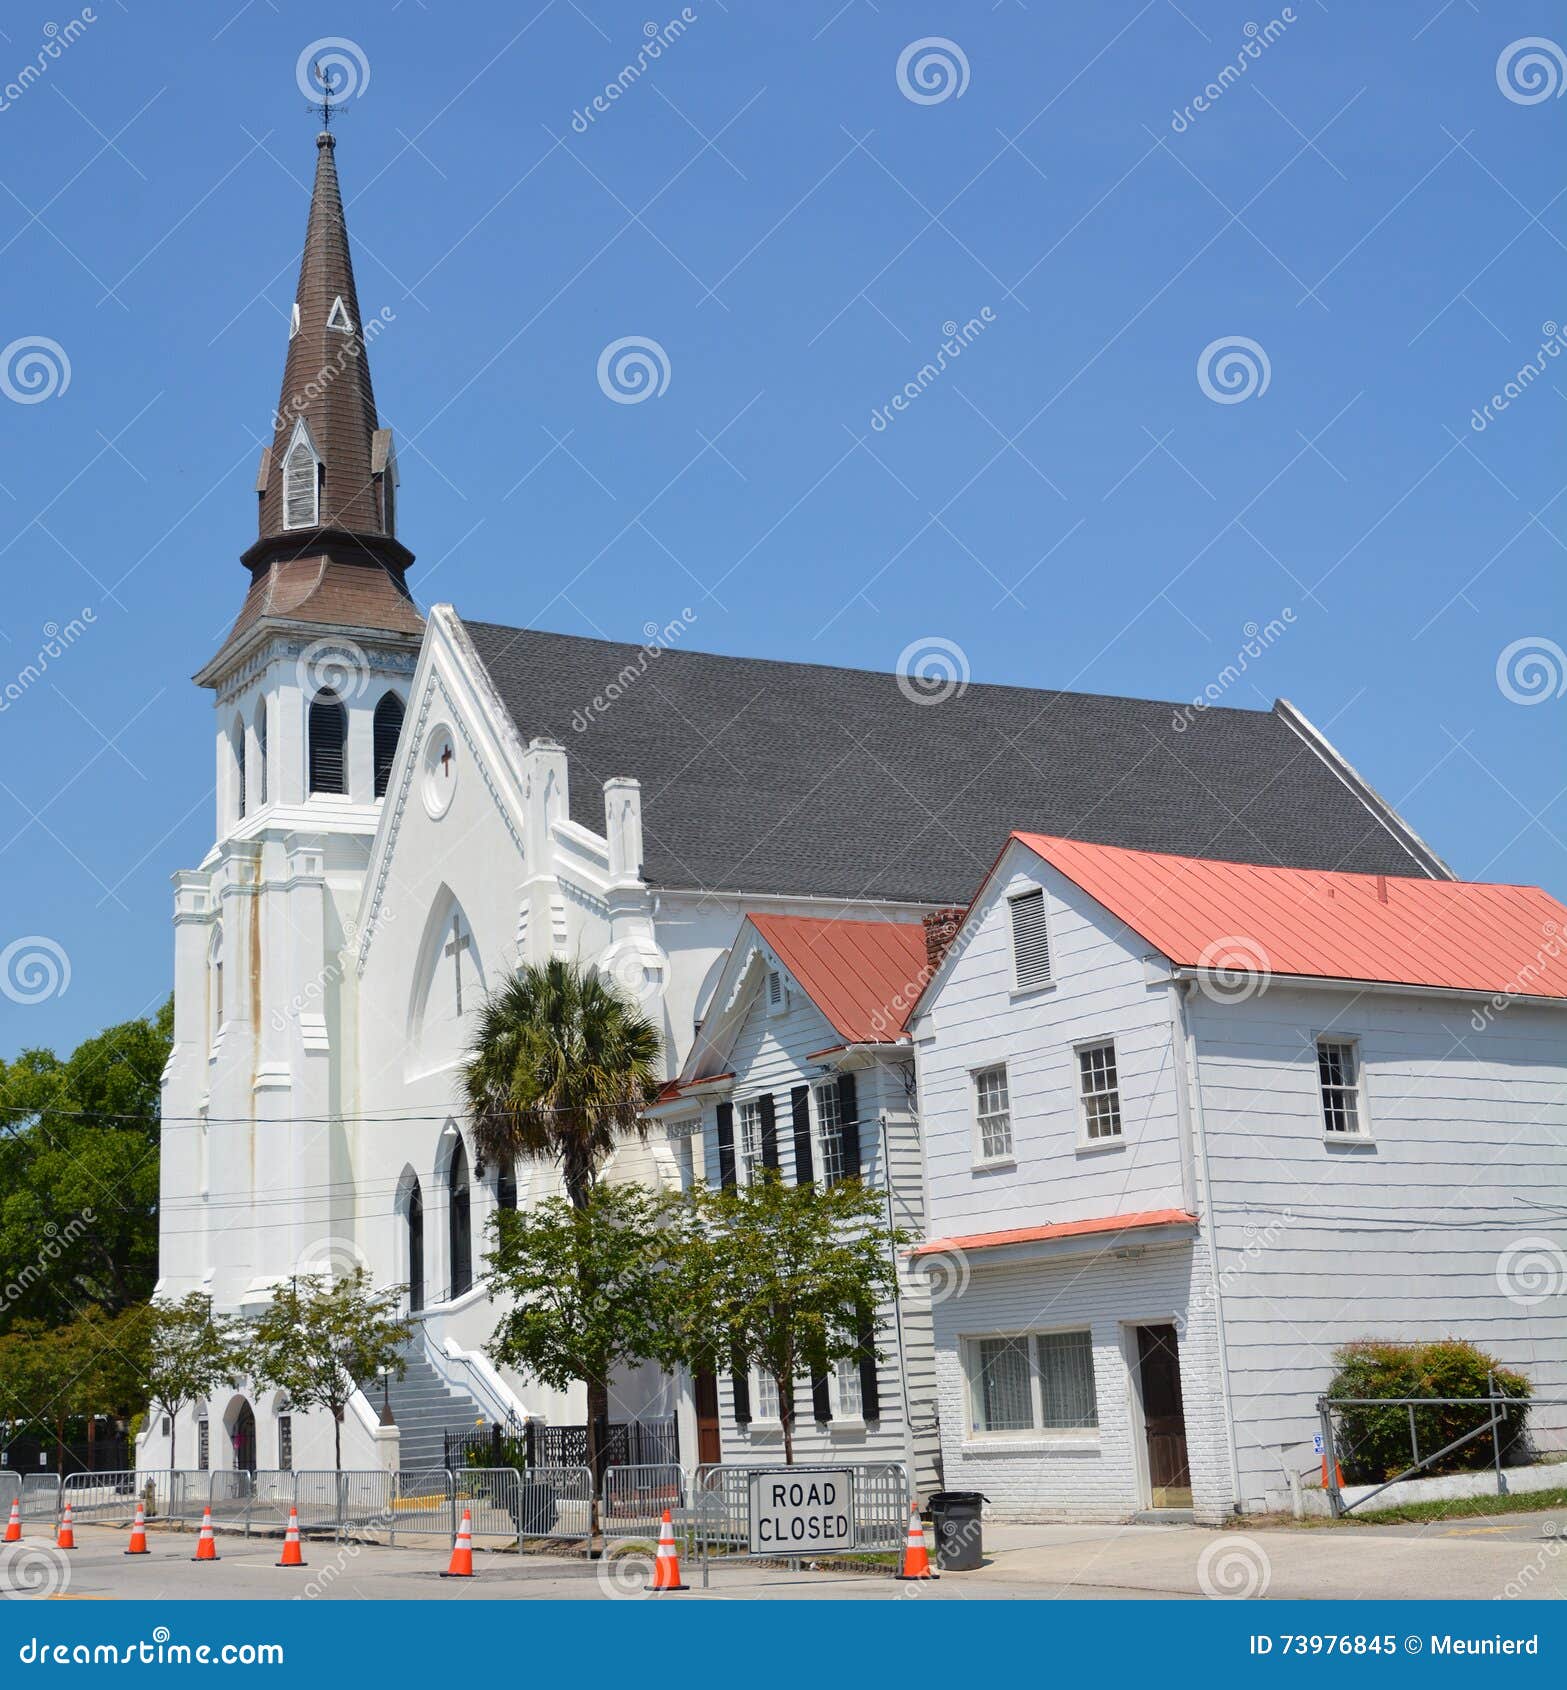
point(1019, 989)
point(762, 1382)
point(1105, 1140)
point(1357, 1091)
point(848, 1401)
point(1001, 1158)
point(820, 1133)
point(1036, 1434)
point(747, 1109)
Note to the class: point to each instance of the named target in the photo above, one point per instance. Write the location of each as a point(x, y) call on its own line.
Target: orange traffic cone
point(67, 1538)
point(291, 1554)
point(206, 1544)
point(13, 1529)
point(1337, 1469)
point(666, 1566)
point(462, 1551)
point(139, 1533)
point(916, 1558)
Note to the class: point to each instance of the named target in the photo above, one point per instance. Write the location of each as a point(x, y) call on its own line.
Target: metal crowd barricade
point(722, 1507)
point(493, 1496)
point(10, 1491)
point(271, 1497)
point(635, 1498)
point(40, 1496)
point(421, 1502)
point(107, 1498)
point(554, 1503)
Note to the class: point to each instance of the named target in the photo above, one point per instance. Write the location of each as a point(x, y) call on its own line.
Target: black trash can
point(959, 1537)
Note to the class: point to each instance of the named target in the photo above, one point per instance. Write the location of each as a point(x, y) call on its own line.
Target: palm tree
point(560, 1069)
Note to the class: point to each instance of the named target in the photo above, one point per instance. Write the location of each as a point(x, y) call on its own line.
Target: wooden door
point(1164, 1420)
point(709, 1446)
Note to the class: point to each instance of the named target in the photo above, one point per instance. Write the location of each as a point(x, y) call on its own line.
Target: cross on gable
point(446, 762)
point(454, 948)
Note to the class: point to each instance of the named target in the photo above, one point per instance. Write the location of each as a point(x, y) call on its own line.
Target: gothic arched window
point(261, 752)
point(301, 480)
point(239, 768)
point(388, 724)
point(459, 1218)
point(328, 743)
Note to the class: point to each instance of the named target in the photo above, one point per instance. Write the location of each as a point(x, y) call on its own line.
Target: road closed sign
point(801, 1512)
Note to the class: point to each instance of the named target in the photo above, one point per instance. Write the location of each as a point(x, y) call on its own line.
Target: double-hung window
point(1031, 1383)
point(749, 1115)
point(992, 1115)
point(1338, 1076)
point(766, 1397)
point(829, 1132)
point(1100, 1090)
point(848, 1404)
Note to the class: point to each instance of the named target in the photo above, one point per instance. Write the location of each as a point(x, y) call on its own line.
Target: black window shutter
point(769, 1131)
point(849, 1115)
point(726, 1153)
point(800, 1110)
point(741, 1382)
point(870, 1397)
point(821, 1399)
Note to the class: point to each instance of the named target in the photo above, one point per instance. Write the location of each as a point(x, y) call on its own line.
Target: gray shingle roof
point(761, 777)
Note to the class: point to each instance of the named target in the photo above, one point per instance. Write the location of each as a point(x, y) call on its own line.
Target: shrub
point(1373, 1443)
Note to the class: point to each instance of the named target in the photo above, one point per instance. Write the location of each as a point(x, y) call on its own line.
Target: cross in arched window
point(454, 948)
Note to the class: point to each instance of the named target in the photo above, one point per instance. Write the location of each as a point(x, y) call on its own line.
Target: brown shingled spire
point(327, 550)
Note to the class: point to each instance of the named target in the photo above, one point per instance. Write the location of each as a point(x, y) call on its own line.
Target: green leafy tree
point(561, 1069)
point(785, 1278)
point(190, 1351)
point(587, 1287)
point(79, 1173)
point(321, 1337)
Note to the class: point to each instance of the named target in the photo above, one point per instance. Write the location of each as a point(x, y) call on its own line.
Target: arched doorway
point(240, 1422)
point(414, 1215)
point(459, 1221)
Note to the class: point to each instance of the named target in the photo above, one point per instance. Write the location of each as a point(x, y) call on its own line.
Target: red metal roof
point(864, 976)
point(1453, 935)
point(1061, 1229)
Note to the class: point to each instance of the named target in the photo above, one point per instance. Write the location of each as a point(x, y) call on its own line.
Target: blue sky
point(1065, 502)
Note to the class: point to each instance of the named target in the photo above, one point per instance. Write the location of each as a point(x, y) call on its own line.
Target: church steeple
point(327, 551)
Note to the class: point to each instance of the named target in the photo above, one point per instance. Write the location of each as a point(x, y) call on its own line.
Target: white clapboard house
point(801, 1065)
point(1190, 1125)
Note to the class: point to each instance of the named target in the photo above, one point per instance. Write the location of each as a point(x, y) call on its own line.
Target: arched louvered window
point(328, 743)
point(301, 490)
point(388, 724)
point(261, 752)
point(239, 769)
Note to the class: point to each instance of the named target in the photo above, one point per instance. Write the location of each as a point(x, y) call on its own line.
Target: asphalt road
point(1511, 1556)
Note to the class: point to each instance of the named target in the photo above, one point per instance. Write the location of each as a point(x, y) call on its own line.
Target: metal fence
point(40, 1496)
point(102, 1498)
point(722, 1505)
point(10, 1491)
point(635, 1497)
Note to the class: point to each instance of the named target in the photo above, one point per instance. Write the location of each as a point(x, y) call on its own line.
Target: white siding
point(1403, 1236)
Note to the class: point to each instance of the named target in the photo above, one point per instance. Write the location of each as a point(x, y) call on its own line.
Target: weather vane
point(324, 81)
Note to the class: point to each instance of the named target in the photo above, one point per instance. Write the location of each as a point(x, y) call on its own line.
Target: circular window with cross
point(440, 769)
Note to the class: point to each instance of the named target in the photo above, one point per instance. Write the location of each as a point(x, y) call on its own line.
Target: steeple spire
point(327, 550)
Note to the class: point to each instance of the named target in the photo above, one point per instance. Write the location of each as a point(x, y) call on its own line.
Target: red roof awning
point(1061, 1229)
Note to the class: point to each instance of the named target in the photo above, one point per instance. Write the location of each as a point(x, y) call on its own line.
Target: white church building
point(411, 803)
